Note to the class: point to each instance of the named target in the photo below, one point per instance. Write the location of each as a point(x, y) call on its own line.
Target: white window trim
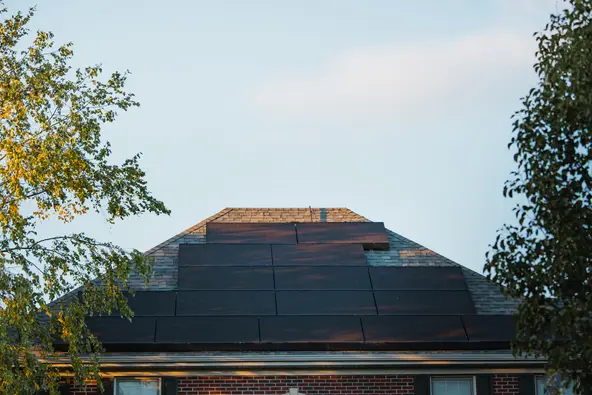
point(294, 391)
point(159, 379)
point(464, 377)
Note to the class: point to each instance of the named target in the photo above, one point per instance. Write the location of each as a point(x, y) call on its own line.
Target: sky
point(398, 110)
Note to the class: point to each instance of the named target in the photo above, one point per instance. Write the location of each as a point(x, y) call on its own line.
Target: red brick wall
point(310, 385)
point(505, 384)
point(91, 389)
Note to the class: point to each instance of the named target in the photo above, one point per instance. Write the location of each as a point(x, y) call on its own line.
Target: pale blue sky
point(399, 110)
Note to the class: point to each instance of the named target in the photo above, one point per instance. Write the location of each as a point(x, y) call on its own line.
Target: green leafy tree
point(545, 258)
point(54, 165)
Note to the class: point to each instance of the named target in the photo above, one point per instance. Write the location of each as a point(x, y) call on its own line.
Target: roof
point(306, 279)
point(403, 252)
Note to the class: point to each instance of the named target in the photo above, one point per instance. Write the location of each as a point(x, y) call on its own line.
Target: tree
point(54, 165)
point(545, 258)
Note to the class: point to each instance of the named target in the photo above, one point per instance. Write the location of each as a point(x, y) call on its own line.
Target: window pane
point(137, 387)
point(452, 386)
point(540, 386)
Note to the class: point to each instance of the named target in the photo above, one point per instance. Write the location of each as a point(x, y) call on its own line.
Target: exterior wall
point(90, 389)
point(309, 385)
point(505, 384)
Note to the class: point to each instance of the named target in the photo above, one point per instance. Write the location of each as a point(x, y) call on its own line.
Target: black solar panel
point(197, 330)
point(116, 330)
point(224, 255)
point(225, 303)
point(225, 277)
point(372, 235)
point(325, 302)
point(413, 328)
point(424, 302)
point(418, 278)
point(489, 327)
point(331, 329)
point(316, 278)
point(256, 233)
point(319, 254)
point(152, 303)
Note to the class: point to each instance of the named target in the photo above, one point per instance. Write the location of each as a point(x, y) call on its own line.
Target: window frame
point(138, 378)
point(455, 377)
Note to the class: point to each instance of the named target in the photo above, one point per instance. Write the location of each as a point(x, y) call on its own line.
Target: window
point(541, 384)
point(137, 386)
point(452, 386)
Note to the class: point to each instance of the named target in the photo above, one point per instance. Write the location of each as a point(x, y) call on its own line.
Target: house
point(310, 301)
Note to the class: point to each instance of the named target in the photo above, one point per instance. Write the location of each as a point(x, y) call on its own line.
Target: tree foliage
point(54, 165)
point(545, 258)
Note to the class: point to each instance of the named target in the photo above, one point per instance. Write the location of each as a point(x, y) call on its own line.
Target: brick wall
point(505, 384)
point(91, 389)
point(309, 385)
point(279, 385)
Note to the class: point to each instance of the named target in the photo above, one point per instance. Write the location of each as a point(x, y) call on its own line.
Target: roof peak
point(270, 215)
point(286, 208)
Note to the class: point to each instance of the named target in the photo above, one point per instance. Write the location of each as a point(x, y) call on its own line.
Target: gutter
point(321, 363)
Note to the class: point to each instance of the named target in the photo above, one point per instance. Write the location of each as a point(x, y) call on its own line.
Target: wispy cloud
point(377, 81)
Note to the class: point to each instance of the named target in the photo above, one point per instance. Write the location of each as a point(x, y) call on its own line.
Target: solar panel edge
point(219, 329)
point(325, 302)
point(140, 330)
point(158, 303)
point(318, 255)
point(225, 255)
point(479, 328)
point(213, 303)
point(392, 328)
point(288, 329)
point(402, 302)
point(378, 241)
point(278, 233)
point(211, 277)
point(327, 278)
point(414, 278)
point(256, 333)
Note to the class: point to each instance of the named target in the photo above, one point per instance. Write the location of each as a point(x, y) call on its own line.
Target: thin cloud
point(373, 82)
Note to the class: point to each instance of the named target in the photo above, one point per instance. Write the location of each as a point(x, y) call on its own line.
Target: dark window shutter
point(169, 386)
point(484, 384)
point(526, 384)
point(108, 386)
point(421, 385)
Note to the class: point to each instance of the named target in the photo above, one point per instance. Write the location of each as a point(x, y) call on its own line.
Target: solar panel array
point(305, 283)
point(371, 235)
